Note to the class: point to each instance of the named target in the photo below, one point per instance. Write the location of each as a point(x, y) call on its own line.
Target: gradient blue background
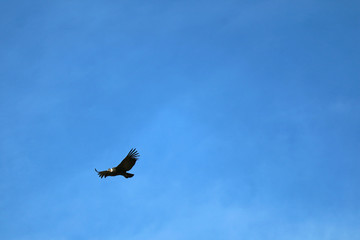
point(246, 115)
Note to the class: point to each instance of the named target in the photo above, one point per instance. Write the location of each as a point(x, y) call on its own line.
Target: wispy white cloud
point(214, 219)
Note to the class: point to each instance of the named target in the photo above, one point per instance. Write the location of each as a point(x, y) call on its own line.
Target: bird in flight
point(125, 165)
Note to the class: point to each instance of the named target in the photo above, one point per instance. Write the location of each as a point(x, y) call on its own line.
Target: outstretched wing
point(129, 161)
point(102, 173)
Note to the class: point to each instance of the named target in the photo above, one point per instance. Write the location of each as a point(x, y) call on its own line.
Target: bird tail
point(128, 175)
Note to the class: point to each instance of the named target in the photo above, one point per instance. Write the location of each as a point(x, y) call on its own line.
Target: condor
point(125, 165)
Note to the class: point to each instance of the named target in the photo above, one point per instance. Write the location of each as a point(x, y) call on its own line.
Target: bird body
point(126, 164)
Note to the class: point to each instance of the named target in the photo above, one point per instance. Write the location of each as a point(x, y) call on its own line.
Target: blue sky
point(246, 115)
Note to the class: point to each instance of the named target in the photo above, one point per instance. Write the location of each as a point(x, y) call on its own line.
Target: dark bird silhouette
point(125, 165)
